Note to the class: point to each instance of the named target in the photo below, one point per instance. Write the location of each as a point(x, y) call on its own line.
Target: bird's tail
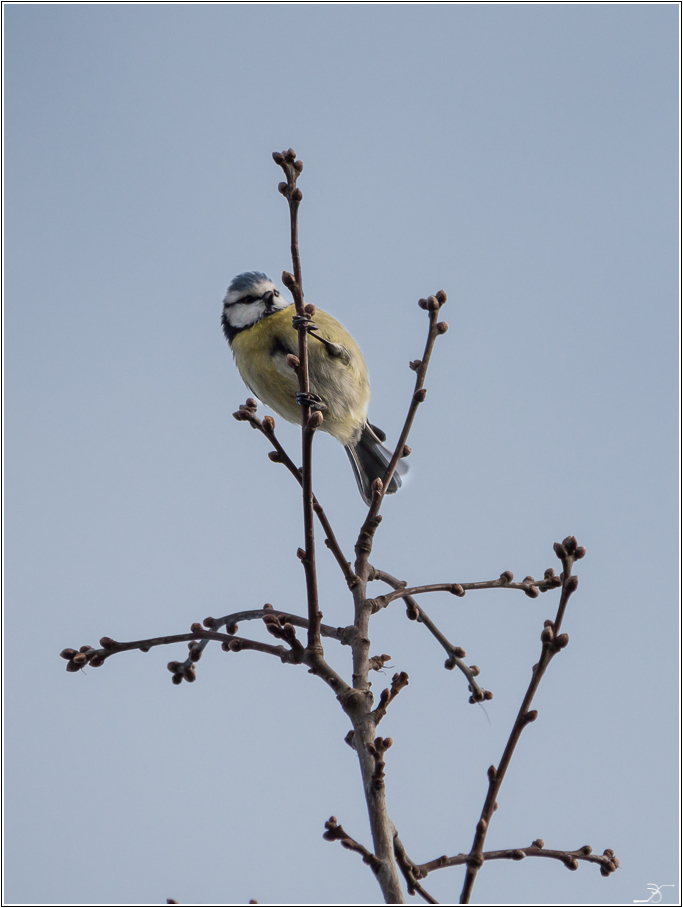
point(370, 459)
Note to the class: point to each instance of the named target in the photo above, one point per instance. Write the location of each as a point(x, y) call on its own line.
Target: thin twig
point(292, 168)
point(365, 538)
point(607, 861)
point(334, 832)
point(266, 426)
point(456, 654)
point(411, 872)
point(529, 586)
point(553, 642)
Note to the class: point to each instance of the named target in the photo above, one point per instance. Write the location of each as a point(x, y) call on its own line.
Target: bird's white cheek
point(242, 315)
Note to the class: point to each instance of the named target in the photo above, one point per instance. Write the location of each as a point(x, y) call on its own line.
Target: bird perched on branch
point(257, 323)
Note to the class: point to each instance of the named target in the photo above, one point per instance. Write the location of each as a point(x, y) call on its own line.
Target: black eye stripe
point(244, 299)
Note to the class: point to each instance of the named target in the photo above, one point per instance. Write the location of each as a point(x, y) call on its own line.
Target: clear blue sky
point(523, 158)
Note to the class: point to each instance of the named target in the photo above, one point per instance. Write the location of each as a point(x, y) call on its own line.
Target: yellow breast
point(261, 357)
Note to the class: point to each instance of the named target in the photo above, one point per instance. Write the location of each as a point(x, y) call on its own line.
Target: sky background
point(525, 159)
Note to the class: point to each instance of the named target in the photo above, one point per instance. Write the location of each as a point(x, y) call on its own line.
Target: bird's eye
point(276, 292)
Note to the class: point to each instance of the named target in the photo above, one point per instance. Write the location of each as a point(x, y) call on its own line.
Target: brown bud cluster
point(78, 659)
point(569, 545)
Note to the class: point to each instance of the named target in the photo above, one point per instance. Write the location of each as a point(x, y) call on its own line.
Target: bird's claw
point(303, 321)
point(312, 400)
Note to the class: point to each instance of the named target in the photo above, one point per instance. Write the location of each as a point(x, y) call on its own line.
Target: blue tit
point(257, 323)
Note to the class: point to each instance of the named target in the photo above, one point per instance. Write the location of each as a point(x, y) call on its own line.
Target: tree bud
point(279, 159)
point(442, 327)
point(569, 544)
point(441, 296)
point(571, 583)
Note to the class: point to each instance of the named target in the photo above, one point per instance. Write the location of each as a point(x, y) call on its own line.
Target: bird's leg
point(314, 401)
point(335, 350)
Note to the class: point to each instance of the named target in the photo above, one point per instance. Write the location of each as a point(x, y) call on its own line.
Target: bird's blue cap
point(247, 279)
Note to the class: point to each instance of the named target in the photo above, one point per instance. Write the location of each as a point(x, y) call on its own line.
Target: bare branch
point(411, 872)
point(334, 832)
point(456, 654)
point(309, 420)
point(398, 682)
point(279, 455)
point(365, 538)
point(553, 642)
point(607, 861)
point(529, 586)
